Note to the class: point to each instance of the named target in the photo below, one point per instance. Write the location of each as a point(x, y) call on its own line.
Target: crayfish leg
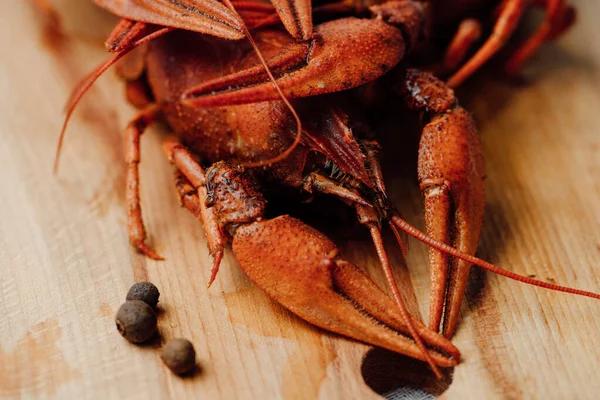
point(507, 22)
point(559, 17)
point(135, 223)
point(469, 32)
point(452, 178)
point(191, 187)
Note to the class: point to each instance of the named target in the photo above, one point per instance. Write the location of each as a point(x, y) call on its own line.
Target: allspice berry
point(144, 291)
point(179, 355)
point(136, 321)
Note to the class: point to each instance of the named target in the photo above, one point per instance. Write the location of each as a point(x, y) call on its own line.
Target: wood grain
point(65, 262)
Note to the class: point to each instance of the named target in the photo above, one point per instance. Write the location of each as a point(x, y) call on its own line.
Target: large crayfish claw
point(451, 176)
point(343, 54)
point(299, 267)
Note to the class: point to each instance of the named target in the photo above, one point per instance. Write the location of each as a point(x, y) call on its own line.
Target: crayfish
point(264, 113)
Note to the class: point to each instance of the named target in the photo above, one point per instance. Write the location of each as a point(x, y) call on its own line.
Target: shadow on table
point(386, 372)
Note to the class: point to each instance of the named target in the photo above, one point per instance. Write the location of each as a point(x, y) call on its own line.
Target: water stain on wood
point(36, 366)
point(306, 369)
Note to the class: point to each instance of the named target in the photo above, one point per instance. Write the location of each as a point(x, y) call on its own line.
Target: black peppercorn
point(136, 321)
point(144, 291)
point(179, 355)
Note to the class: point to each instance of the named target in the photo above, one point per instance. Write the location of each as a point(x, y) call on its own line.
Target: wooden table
point(66, 264)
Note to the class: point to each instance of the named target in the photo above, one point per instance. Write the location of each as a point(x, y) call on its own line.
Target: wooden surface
point(65, 262)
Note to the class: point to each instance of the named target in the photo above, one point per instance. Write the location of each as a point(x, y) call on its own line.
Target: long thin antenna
point(389, 275)
point(88, 81)
point(414, 232)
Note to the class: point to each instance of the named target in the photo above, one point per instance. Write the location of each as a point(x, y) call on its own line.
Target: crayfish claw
point(451, 175)
point(452, 181)
point(312, 67)
point(299, 267)
point(351, 281)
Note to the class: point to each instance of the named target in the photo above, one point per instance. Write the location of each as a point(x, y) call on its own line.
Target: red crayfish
point(234, 104)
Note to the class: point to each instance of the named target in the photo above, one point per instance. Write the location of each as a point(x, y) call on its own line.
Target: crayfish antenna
point(367, 219)
point(82, 87)
point(422, 237)
point(389, 275)
point(402, 242)
point(372, 150)
point(283, 155)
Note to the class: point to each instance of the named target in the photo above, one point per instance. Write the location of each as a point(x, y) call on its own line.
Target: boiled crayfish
point(229, 108)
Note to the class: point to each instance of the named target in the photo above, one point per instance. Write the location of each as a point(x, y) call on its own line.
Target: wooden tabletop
point(65, 261)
